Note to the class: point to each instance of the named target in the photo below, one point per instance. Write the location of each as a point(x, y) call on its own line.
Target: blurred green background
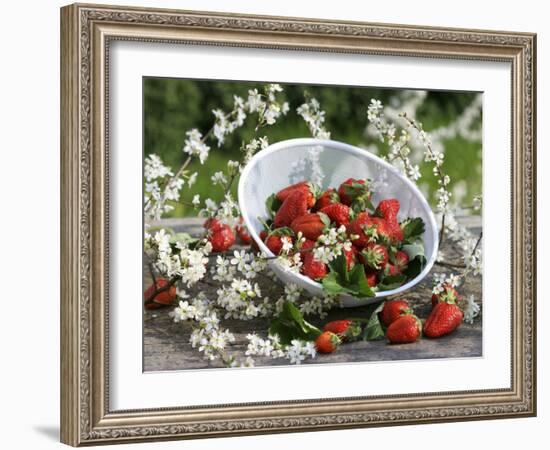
point(174, 106)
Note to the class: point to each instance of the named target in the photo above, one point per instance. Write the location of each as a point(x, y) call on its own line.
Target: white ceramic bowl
point(328, 163)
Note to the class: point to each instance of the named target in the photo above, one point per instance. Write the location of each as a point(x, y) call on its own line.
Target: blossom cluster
point(314, 118)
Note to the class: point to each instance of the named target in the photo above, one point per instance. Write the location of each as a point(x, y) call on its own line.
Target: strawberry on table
point(212, 224)
point(449, 294)
point(338, 213)
point(295, 205)
point(164, 298)
point(242, 232)
point(327, 342)
point(444, 319)
point(346, 330)
point(311, 225)
point(405, 330)
point(394, 309)
point(221, 237)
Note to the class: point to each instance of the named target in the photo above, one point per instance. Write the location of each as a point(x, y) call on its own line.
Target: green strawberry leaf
point(389, 282)
point(413, 229)
point(290, 324)
point(272, 204)
point(415, 266)
point(374, 329)
point(341, 281)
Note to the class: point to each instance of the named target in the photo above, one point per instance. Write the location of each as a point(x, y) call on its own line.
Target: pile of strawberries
point(223, 237)
point(401, 325)
point(376, 234)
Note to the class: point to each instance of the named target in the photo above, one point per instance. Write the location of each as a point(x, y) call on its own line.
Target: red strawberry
point(449, 294)
point(375, 256)
point(404, 330)
point(212, 224)
point(382, 229)
point(221, 238)
point(350, 258)
point(311, 225)
point(401, 259)
point(394, 309)
point(164, 298)
point(307, 247)
point(274, 241)
point(396, 232)
point(314, 268)
point(327, 342)
point(392, 270)
point(388, 209)
point(327, 198)
point(346, 330)
point(294, 206)
point(337, 212)
point(371, 279)
point(444, 319)
point(304, 186)
point(358, 227)
point(351, 189)
point(242, 232)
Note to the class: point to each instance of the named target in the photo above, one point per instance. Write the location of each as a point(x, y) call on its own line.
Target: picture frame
point(87, 31)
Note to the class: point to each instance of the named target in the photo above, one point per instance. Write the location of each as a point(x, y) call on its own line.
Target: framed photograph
point(282, 224)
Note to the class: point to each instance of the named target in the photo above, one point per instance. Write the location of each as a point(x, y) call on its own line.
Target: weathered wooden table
point(166, 344)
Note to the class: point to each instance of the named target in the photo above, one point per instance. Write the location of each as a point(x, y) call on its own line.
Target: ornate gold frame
point(86, 31)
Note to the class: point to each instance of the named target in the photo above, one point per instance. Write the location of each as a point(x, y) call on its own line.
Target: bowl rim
point(362, 153)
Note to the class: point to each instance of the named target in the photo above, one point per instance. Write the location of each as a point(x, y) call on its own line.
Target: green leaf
point(342, 281)
point(413, 229)
point(290, 324)
point(415, 266)
point(181, 237)
point(272, 204)
point(325, 219)
point(374, 330)
point(390, 282)
point(358, 282)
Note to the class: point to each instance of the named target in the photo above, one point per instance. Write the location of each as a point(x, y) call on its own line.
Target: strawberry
point(371, 279)
point(212, 224)
point(164, 298)
point(404, 330)
point(394, 309)
point(303, 186)
point(327, 198)
point(391, 270)
point(274, 240)
point(449, 294)
point(314, 268)
point(375, 256)
point(388, 209)
point(358, 227)
point(242, 232)
point(338, 213)
point(401, 259)
point(444, 319)
point(306, 247)
point(295, 205)
point(327, 342)
point(221, 238)
point(346, 330)
point(369, 229)
point(350, 258)
point(352, 189)
point(311, 225)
